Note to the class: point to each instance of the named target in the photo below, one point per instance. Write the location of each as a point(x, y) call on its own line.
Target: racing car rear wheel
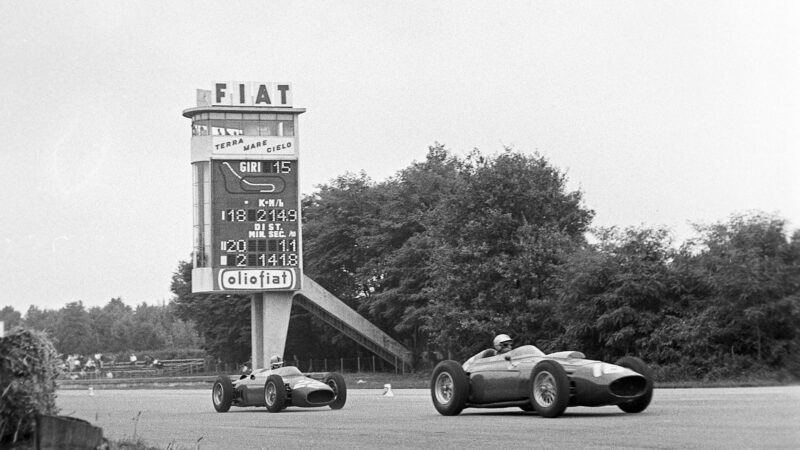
point(549, 389)
point(274, 393)
point(336, 382)
point(638, 404)
point(222, 394)
point(449, 388)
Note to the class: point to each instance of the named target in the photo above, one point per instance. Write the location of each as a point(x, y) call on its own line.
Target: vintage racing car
point(278, 388)
point(548, 384)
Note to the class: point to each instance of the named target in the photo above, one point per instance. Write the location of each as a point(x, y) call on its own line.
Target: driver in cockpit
point(275, 362)
point(503, 343)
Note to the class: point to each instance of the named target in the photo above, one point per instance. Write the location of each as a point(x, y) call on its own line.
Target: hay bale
point(28, 372)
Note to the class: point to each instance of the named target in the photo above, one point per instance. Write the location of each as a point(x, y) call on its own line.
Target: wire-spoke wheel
point(443, 388)
point(449, 388)
point(274, 393)
point(549, 389)
point(222, 394)
point(544, 389)
point(336, 382)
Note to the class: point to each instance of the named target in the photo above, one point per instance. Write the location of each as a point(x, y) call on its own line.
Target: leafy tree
point(396, 274)
point(111, 325)
point(148, 321)
point(334, 219)
point(753, 272)
point(680, 343)
point(10, 317)
point(73, 330)
point(500, 237)
point(614, 295)
point(43, 320)
point(181, 334)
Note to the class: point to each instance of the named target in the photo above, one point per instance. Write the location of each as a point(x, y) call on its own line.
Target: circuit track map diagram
point(238, 183)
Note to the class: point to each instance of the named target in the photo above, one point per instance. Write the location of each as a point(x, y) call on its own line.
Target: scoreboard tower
point(246, 205)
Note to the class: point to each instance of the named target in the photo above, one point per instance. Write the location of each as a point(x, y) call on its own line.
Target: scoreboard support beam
point(269, 325)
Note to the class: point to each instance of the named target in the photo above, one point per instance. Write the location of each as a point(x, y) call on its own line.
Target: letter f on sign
point(219, 92)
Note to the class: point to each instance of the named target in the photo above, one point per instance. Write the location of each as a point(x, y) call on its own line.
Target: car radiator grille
point(628, 386)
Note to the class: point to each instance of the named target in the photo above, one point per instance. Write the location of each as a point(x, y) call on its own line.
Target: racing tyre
point(449, 388)
point(336, 382)
point(222, 394)
point(639, 404)
point(274, 393)
point(549, 389)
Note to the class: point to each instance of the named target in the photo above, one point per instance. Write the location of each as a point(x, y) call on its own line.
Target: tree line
point(115, 330)
point(455, 249)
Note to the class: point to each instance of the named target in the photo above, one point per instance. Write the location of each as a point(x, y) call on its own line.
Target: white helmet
point(275, 362)
point(501, 339)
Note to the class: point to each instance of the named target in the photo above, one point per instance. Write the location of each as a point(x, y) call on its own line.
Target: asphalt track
point(758, 418)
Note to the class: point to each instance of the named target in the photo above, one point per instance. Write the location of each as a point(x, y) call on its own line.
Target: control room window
point(268, 128)
point(250, 124)
point(200, 125)
point(285, 125)
point(286, 128)
point(231, 125)
point(238, 124)
point(199, 129)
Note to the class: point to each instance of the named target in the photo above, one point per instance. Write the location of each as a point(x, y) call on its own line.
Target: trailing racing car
point(279, 388)
point(548, 384)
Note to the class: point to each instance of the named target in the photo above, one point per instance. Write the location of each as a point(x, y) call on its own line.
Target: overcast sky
point(663, 113)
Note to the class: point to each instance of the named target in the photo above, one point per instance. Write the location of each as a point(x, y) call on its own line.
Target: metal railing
point(201, 367)
point(140, 369)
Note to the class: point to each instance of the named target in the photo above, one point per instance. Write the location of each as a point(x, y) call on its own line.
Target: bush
point(28, 371)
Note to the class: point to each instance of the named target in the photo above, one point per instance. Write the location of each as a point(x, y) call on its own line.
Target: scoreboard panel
point(255, 223)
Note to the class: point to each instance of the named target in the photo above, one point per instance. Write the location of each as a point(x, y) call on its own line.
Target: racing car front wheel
point(222, 394)
point(449, 388)
point(549, 389)
point(640, 403)
point(274, 393)
point(336, 382)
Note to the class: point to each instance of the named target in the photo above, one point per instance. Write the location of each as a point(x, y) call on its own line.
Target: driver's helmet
point(275, 362)
point(500, 340)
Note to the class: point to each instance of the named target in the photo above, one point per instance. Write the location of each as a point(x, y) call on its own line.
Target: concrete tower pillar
point(269, 324)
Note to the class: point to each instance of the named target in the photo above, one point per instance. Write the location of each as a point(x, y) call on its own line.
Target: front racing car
point(534, 381)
